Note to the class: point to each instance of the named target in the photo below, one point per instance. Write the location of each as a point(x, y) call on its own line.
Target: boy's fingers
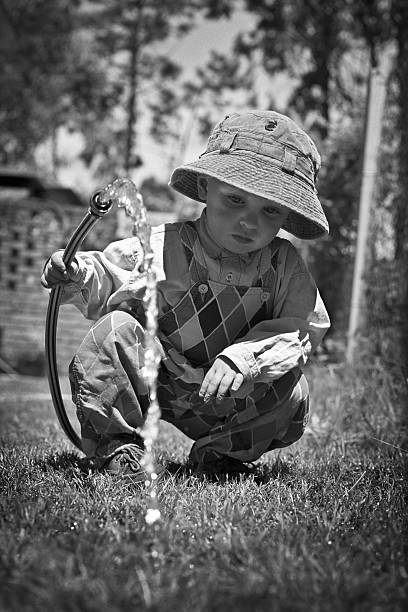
point(218, 387)
point(211, 389)
point(237, 382)
point(220, 390)
point(51, 275)
point(206, 381)
point(72, 270)
point(225, 385)
point(44, 282)
point(219, 380)
point(57, 263)
point(56, 272)
point(210, 384)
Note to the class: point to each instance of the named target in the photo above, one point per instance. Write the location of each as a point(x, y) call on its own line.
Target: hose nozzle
point(98, 206)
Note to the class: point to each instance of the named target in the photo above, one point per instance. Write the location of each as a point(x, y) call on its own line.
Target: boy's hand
point(222, 378)
point(56, 273)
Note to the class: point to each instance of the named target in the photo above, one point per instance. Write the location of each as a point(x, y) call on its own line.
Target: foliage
point(157, 195)
point(92, 67)
point(320, 529)
point(309, 41)
point(35, 55)
point(126, 34)
point(224, 83)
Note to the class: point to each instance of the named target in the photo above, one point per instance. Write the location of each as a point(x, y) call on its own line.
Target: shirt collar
point(213, 249)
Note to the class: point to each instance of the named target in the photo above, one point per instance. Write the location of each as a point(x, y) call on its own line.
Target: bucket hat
point(267, 154)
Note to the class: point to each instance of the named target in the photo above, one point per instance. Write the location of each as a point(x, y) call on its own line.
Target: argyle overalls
point(112, 398)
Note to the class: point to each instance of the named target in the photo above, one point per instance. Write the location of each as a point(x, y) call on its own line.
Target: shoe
point(224, 466)
point(127, 461)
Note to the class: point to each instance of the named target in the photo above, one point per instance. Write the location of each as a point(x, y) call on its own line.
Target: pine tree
point(126, 34)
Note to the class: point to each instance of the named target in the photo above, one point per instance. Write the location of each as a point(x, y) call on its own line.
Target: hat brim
point(245, 170)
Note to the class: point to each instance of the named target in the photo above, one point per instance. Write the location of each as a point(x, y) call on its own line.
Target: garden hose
point(97, 209)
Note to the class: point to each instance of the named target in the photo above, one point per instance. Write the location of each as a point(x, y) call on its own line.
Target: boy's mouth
point(242, 239)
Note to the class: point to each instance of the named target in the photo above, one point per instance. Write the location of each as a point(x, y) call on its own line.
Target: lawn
point(322, 527)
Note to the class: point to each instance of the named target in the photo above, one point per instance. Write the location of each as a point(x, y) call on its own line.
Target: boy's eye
point(272, 211)
point(235, 199)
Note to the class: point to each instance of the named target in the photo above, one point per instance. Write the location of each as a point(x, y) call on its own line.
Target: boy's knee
point(119, 319)
point(117, 324)
point(300, 391)
point(291, 390)
point(115, 329)
point(298, 409)
point(297, 425)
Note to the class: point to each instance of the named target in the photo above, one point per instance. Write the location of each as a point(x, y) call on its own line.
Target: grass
point(322, 528)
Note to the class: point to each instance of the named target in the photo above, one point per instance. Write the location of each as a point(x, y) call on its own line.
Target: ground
point(321, 527)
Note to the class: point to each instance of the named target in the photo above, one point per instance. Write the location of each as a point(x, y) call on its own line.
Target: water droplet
point(152, 515)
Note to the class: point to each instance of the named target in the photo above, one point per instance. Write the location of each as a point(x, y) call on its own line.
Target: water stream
point(125, 194)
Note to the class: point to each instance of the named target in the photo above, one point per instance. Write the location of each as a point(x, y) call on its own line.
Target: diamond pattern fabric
point(108, 382)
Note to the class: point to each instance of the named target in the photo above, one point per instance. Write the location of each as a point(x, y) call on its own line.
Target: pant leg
point(276, 420)
point(112, 399)
point(107, 386)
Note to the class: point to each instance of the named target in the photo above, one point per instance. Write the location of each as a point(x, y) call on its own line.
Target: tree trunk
point(132, 99)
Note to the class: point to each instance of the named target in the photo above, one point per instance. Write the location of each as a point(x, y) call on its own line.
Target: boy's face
point(237, 220)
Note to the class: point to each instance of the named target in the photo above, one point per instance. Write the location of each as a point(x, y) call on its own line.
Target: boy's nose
point(249, 222)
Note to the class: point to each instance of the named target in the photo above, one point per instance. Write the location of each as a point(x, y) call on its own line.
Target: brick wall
point(30, 231)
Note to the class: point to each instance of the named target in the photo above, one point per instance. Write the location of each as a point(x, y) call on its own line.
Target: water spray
point(124, 193)
point(129, 198)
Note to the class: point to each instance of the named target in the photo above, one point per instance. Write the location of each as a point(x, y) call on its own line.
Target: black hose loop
point(97, 210)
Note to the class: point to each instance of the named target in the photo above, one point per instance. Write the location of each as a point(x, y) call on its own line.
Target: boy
point(239, 313)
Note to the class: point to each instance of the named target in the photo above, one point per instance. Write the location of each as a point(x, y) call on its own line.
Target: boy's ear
point(202, 187)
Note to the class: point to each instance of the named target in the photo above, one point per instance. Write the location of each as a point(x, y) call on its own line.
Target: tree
point(222, 83)
point(309, 41)
point(33, 92)
point(126, 34)
point(306, 39)
point(92, 67)
point(157, 195)
point(51, 77)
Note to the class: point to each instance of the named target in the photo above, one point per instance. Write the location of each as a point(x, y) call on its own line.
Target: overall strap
point(190, 241)
point(268, 279)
